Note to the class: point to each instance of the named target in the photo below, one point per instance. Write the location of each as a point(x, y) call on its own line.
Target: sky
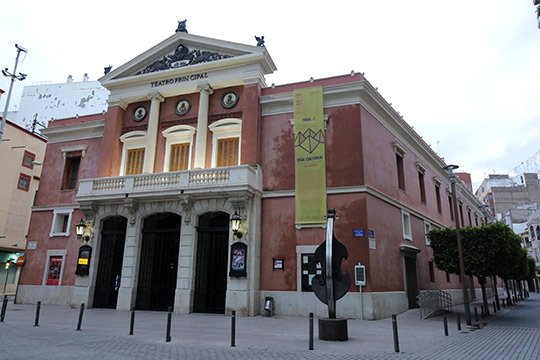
point(464, 74)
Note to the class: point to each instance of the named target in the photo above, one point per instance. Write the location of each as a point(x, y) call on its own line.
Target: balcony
point(197, 183)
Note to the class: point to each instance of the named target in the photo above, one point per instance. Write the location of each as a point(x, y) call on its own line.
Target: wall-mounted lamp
point(80, 229)
point(235, 224)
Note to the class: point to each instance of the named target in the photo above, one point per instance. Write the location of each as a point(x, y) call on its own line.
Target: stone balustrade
point(198, 181)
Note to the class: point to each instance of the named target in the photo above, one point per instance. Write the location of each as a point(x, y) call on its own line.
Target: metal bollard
point(458, 322)
point(396, 339)
point(504, 304)
point(233, 328)
point(475, 314)
point(38, 307)
point(482, 311)
point(79, 323)
point(310, 331)
point(494, 308)
point(169, 317)
point(4, 308)
point(445, 322)
point(132, 322)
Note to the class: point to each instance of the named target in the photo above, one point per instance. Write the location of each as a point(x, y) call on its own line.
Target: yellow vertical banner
point(310, 168)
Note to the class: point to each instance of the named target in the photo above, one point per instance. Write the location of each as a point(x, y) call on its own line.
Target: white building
point(58, 101)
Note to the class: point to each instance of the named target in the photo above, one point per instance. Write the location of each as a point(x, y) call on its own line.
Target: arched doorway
point(159, 260)
point(211, 264)
point(111, 253)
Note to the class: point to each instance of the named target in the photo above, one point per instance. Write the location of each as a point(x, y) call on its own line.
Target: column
point(151, 134)
point(202, 126)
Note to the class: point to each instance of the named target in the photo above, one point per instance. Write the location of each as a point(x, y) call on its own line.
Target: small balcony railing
point(227, 179)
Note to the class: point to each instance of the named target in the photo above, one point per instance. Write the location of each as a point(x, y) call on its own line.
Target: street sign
point(20, 261)
point(360, 275)
point(358, 232)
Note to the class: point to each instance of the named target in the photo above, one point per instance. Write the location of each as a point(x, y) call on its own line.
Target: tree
point(511, 266)
point(482, 253)
point(445, 251)
point(489, 250)
point(532, 272)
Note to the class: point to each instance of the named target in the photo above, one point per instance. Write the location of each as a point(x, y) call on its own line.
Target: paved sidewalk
point(104, 334)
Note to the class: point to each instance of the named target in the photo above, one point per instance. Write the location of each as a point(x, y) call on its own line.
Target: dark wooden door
point(412, 281)
point(211, 265)
point(159, 260)
point(111, 255)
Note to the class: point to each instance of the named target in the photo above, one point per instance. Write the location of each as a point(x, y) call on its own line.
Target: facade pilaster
point(111, 147)
point(151, 134)
point(202, 126)
point(130, 267)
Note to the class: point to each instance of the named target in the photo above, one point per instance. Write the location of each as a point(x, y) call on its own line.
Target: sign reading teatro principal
point(179, 79)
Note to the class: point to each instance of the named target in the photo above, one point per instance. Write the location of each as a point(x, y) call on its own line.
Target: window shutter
point(135, 158)
point(227, 152)
point(179, 158)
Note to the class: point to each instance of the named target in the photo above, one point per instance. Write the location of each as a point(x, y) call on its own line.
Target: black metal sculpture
point(182, 26)
point(260, 40)
point(107, 69)
point(331, 285)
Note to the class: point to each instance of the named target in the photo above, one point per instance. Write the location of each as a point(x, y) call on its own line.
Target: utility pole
point(13, 77)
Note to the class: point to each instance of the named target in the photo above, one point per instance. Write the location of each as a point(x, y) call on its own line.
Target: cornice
point(364, 94)
point(80, 131)
point(359, 189)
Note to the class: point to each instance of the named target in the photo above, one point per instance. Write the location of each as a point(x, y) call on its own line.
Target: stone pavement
point(104, 335)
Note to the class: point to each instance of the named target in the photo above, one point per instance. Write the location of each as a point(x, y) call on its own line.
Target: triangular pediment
point(186, 53)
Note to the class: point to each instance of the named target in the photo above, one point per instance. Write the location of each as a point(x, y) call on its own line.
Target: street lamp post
point(8, 265)
point(452, 177)
point(13, 77)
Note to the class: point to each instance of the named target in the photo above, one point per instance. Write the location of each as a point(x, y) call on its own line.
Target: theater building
point(193, 138)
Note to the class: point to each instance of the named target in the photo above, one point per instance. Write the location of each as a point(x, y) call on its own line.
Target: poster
point(310, 167)
point(238, 259)
point(55, 269)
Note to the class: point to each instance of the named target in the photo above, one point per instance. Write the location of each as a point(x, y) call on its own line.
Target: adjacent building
point(204, 189)
point(42, 103)
point(21, 154)
point(500, 192)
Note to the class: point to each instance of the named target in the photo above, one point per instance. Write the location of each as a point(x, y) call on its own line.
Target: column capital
point(206, 88)
point(122, 103)
point(156, 96)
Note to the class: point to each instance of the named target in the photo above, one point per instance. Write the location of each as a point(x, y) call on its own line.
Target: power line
point(529, 165)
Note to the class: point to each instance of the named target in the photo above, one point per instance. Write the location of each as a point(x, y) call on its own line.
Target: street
point(511, 334)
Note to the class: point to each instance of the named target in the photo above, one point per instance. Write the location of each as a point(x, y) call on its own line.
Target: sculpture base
point(333, 330)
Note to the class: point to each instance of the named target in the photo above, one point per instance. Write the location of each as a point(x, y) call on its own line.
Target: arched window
point(226, 142)
point(133, 152)
point(178, 147)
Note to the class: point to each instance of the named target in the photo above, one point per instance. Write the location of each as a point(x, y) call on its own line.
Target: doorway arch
point(211, 263)
point(111, 255)
point(158, 262)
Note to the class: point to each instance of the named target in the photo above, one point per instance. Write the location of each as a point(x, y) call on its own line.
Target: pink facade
point(382, 226)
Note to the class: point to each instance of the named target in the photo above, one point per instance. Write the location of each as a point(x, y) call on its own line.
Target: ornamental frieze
point(181, 57)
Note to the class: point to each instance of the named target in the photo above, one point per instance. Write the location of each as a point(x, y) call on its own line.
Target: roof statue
point(260, 40)
point(107, 69)
point(182, 27)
